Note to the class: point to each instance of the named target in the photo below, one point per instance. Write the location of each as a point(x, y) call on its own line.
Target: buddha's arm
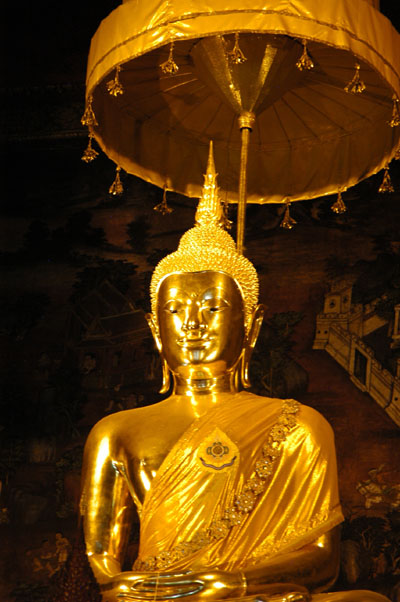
point(106, 505)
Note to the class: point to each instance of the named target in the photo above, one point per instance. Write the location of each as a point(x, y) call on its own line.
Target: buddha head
point(205, 318)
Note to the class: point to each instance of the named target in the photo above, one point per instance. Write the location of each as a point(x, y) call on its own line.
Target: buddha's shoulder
point(307, 419)
point(310, 422)
point(314, 425)
point(127, 423)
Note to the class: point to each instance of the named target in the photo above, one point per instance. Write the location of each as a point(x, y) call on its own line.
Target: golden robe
point(205, 509)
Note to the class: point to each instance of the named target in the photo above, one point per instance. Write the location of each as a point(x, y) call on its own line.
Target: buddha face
point(201, 323)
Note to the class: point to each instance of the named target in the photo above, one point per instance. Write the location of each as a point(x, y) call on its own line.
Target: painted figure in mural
point(237, 494)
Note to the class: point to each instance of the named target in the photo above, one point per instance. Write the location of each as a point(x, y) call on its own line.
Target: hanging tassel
point(226, 222)
point(339, 206)
point(356, 85)
point(386, 185)
point(90, 153)
point(89, 118)
point(116, 188)
point(304, 63)
point(287, 222)
point(395, 120)
point(169, 67)
point(236, 56)
point(163, 207)
point(114, 86)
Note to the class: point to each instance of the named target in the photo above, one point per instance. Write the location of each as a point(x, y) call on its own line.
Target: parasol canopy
point(310, 136)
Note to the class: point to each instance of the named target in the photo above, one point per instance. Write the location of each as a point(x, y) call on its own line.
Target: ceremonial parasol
point(316, 82)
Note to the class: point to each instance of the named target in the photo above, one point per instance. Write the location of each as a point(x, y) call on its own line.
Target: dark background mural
point(76, 264)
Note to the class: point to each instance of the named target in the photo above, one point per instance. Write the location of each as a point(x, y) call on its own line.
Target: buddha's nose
point(193, 321)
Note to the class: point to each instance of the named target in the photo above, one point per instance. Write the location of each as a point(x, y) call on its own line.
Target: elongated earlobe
point(251, 340)
point(154, 330)
point(166, 379)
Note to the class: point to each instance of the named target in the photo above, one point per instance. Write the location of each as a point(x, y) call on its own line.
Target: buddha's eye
point(172, 307)
point(215, 305)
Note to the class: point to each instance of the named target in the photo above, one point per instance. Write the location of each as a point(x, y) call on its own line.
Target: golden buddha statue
point(237, 494)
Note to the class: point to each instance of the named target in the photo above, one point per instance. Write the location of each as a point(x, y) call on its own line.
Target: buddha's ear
point(251, 339)
point(256, 321)
point(165, 370)
point(154, 330)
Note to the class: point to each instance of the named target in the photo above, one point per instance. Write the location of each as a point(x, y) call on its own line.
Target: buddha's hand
point(210, 585)
point(213, 585)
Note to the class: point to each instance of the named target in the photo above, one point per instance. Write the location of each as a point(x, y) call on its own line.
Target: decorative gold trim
point(395, 120)
point(339, 206)
point(114, 86)
point(89, 118)
point(169, 67)
point(90, 153)
point(386, 185)
point(288, 222)
point(244, 500)
point(356, 85)
point(236, 56)
point(163, 207)
point(116, 188)
point(305, 62)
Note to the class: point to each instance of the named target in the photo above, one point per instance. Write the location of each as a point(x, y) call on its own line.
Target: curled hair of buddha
point(208, 246)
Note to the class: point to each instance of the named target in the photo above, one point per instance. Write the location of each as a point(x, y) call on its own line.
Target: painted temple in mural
point(362, 342)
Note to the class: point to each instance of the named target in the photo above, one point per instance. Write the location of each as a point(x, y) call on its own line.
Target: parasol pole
point(246, 122)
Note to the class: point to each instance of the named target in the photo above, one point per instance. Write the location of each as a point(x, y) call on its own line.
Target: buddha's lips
point(199, 343)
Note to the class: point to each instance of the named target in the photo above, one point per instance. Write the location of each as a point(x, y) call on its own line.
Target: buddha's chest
point(147, 451)
point(168, 433)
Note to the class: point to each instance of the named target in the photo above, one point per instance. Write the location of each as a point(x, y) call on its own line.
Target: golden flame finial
point(209, 247)
point(210, 162)
point(209, 210)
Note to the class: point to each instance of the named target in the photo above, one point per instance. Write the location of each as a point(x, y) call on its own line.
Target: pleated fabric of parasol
point(321, 79)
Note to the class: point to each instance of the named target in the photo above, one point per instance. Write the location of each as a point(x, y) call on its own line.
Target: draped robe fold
point(300, 501)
